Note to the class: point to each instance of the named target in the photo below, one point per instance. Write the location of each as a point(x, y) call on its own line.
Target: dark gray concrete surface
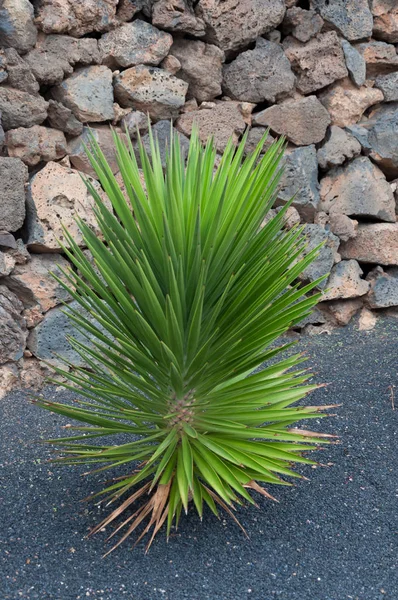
point(331, 538)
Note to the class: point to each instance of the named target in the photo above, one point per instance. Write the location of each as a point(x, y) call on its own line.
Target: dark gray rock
point(12, 327)
point(355, 62)
point(358, 189)
point(352, 18)
point(62, 118)
point(54, 56)
point(7, 240)
point(161, 132)
point(327, 256)
point(2, 135)
point(260, 74)
point(300, 177)
point(20, 109)
point(88, 93)
point(13, 176)
point(302, 24)
point(20, 75)
point(17, 28)
point(383, 287)
point(388, 84)
point(133, 44)
point(378, 136)
point(49, 338)
point(339, 147)
point(134, 121)
point(254, 136)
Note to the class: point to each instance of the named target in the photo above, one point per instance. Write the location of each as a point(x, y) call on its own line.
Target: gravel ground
point(331, 538)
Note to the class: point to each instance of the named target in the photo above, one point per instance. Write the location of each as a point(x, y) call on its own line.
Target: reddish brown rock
point(36, 144)
point(318, 62)
point(342, 226)
point(345, 281)
point(76, 18)
point(346, 103)
point(201, 66)
point(56, 196)
point(152, 90)
point(223, 121)
point(232, 25)
point(380, 58)
point(302, 121)
point(171, 64)
point(302, 24)
point(375, 243)
point(133, 44)
point(358, 189)
point(178, 16)
point(342, 311)
point(385, 23)
point(34, 285)
point(260, 74)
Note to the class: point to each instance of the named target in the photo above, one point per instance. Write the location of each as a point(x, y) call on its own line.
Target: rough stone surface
point(171, 64)
point(20, 109)
point(133, 44)
point(345, 281)
point(375, 243)
point(317, 63)
point(201, 66)
point(352, 18)
point(385, 24)
point(152, 90)
point(380, 58)
point(36, 144)
point(56, 196)
point(260, 74)
point(62, 118)
point(302, 24)
point(7, 263)
point(383, 287)
point(233, 25)
point(88, 93)
point(19, 73)
point(327, 256)
point(388, 84)
point(34, 285)
point(378, 137)
point(12, 326)
point(339, 147)
point(224, 120)
point(161, 132)
point(17, 29)
point(302, 121)
point(7, 240)
point(54, 56)
point(346, 103)
point(367, 320)
point(77, 153)
point(254, 136)
point(355, 63)
point(48, 339)
point(343, 310)
point(134, 121)
point(13, 176)
point(291, 218)
point(358, 189)
point(76, 18)
point(177, 16)
point(342, 226)
point(300, 178)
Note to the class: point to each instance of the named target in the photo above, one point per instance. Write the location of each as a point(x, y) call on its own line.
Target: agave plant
point(182, 300)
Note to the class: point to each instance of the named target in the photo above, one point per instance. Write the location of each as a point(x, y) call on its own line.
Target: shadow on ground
point(331, 538)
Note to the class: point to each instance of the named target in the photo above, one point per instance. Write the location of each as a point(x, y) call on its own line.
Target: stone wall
point(324, 73)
